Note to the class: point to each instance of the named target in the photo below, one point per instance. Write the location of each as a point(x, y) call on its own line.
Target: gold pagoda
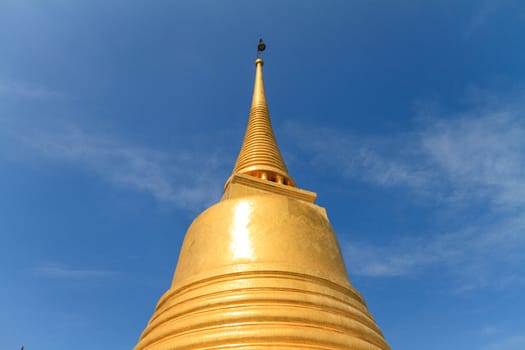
point(261, 269)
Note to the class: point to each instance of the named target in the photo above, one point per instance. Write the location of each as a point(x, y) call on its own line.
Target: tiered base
point(261, 310)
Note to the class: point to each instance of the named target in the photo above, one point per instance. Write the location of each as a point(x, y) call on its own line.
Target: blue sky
point(120, 121)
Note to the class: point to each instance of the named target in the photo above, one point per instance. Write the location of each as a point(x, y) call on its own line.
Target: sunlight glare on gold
point(241, 245)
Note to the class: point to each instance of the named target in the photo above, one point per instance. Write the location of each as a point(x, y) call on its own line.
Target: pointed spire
point(260, 155)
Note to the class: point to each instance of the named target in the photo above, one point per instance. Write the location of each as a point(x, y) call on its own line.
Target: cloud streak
point(183, 178)
point(68, 272)
point(12, 88)
point(476, 257)
point(476, 155)
point(481, 156)
point(513, 342)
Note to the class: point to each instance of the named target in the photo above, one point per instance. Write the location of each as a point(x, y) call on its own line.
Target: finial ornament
point(261, 47)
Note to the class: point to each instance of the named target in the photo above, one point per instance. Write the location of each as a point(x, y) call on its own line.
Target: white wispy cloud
point(512, 342)
point(65, 271)
point(24, 89)
point(476, 257)
point(380, 161)
point(184, 178)
point(481, 155)
point(459, 161)
point(478, 18)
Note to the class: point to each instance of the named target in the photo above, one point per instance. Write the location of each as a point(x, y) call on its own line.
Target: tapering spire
point(260, 155)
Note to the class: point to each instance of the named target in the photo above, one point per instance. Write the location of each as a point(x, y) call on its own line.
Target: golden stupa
point(262, 268)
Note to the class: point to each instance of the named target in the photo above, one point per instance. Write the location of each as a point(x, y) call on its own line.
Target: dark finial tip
point(261, 46)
